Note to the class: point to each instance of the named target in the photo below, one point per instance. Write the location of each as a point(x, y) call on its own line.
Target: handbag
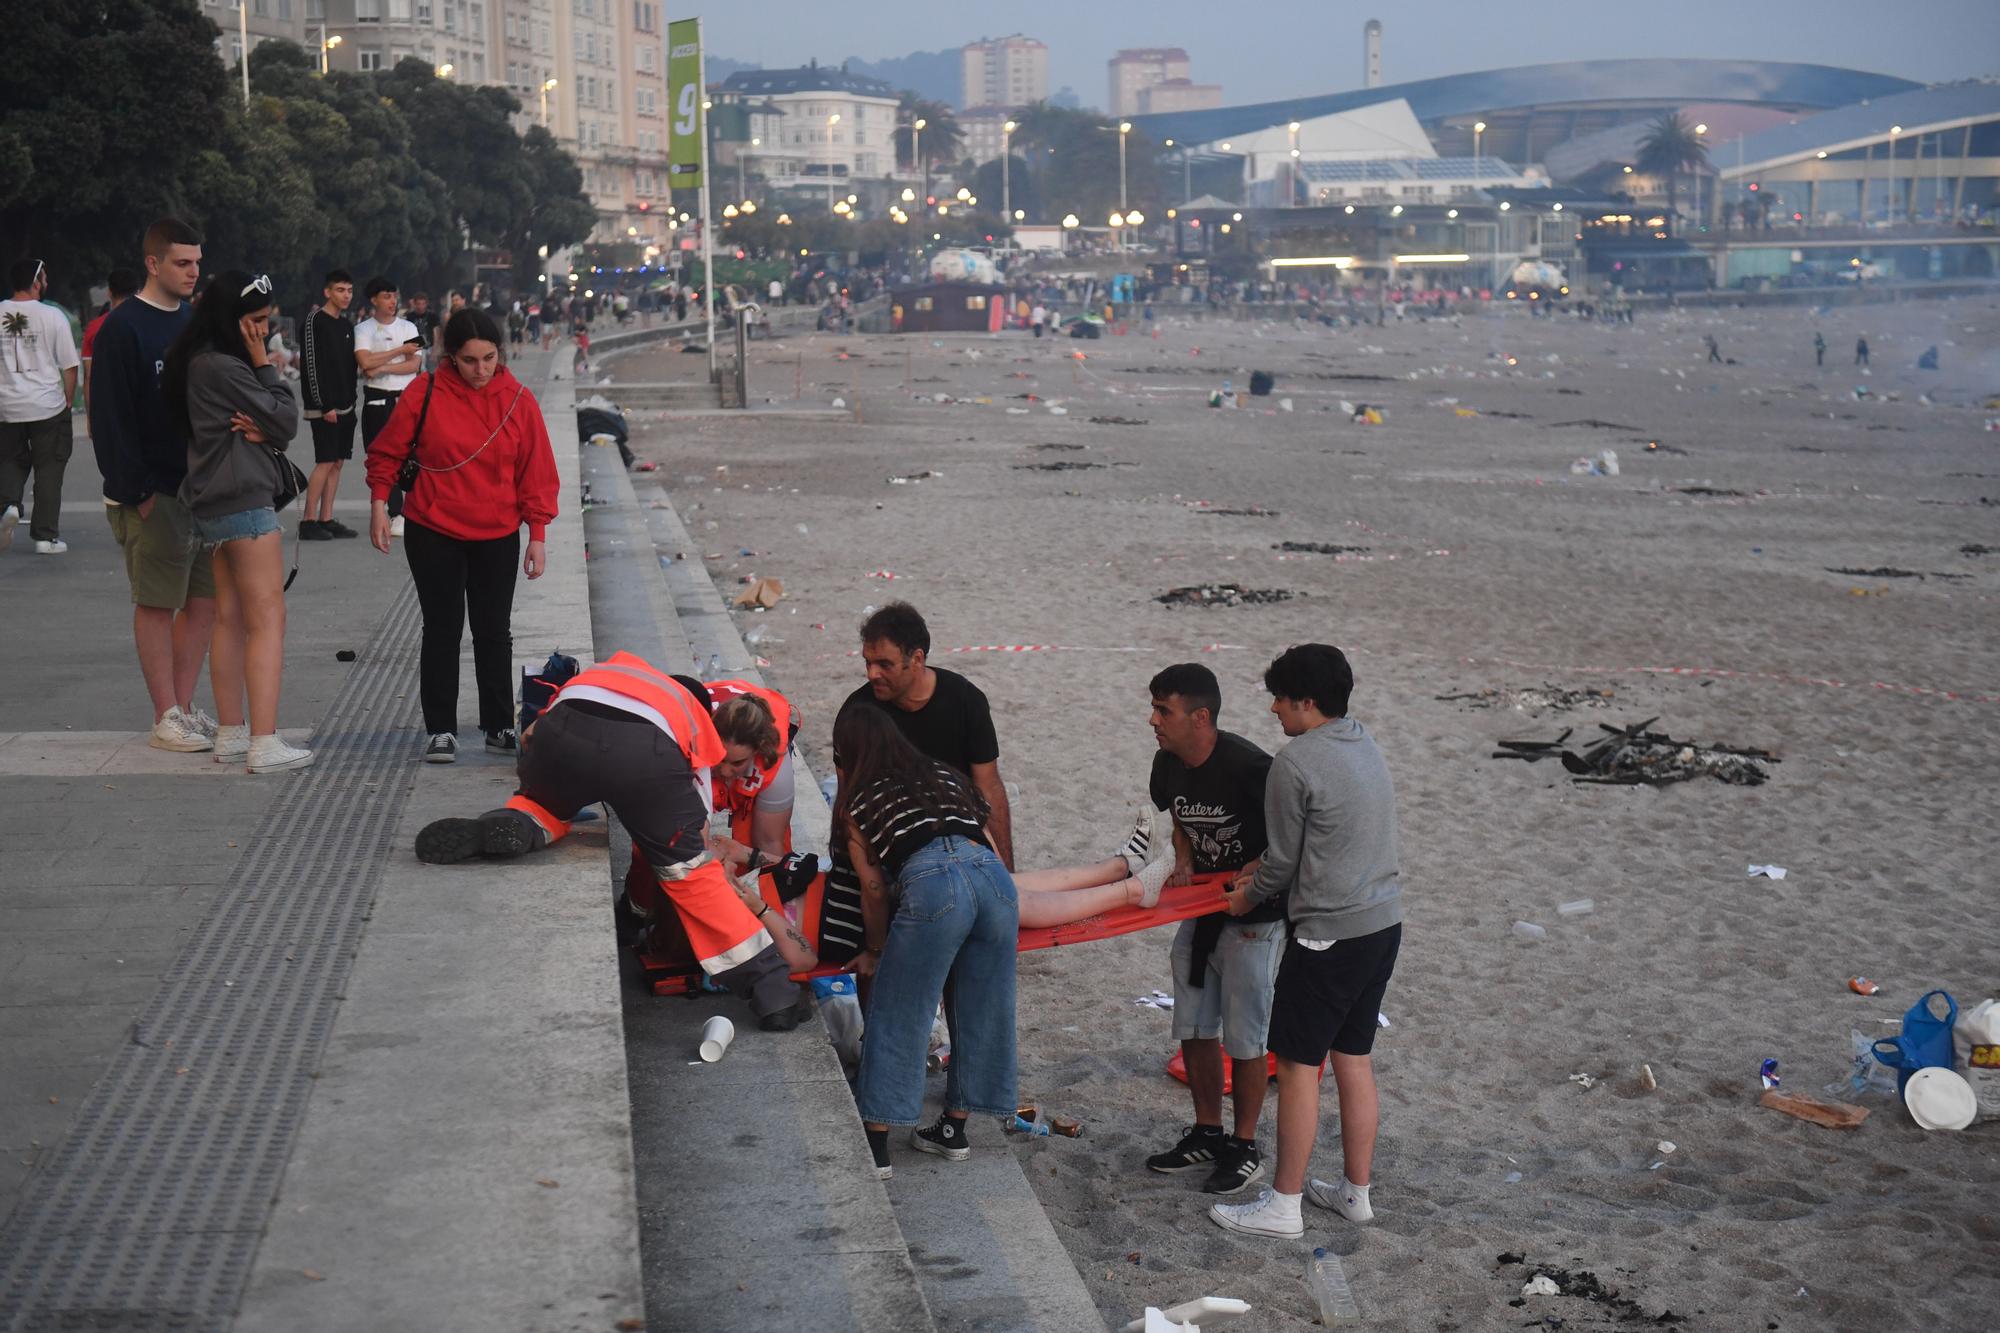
point(406, 475)
point(291, 481)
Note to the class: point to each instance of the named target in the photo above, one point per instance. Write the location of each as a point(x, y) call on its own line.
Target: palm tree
point(1670, 147)
point(16, 326)
point(942, 140)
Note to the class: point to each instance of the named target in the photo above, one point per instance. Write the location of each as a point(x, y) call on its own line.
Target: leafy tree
point(1073, 157)
point(106, 106)
point(1670, 147)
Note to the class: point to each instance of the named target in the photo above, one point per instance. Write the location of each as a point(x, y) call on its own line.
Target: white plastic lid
point(1940, 1099)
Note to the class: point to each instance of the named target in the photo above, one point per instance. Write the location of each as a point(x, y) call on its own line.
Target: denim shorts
point(1234, 1001)
point(236, 527)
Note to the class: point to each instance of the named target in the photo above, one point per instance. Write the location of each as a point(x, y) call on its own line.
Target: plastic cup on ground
point(716, 1034)
point(1580, 907)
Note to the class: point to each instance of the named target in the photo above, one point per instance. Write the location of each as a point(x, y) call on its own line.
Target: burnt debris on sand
point(1889, 572)
point(1318, 548)
point(1222, 594)
point(1535, 699)
point(1633, 756)
point(1060, 466)
point(1582, 1284)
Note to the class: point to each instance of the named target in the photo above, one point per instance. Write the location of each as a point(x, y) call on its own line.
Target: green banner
point(684, 96)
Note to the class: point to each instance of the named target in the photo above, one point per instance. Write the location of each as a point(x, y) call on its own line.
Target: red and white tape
point(1725, 673)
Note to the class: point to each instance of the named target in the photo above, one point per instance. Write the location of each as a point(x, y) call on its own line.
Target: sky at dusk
point(1266, 49)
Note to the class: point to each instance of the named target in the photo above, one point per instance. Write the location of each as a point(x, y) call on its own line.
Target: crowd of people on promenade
point(923, 901)
point(191, 408)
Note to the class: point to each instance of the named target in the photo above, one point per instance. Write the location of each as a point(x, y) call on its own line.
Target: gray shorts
point(1235, 1001)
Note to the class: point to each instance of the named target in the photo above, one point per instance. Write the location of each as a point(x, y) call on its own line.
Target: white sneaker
point(1270, 1214)
point(1350, 1201)
point(10, 517)
point(1138, 848)
point(57, 547)
point(396, 526)
point(232, 744)
point(270, 754)
point(176, 731)
point(203, 723)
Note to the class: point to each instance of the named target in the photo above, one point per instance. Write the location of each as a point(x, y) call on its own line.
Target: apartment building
point(1141, 67)
point(822, 121)
point(1003, 72)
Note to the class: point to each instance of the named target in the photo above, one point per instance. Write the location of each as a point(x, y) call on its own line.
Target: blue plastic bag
point(1925, 1040)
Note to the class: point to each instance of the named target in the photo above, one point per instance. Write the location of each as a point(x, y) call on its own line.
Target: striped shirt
point(895, 826)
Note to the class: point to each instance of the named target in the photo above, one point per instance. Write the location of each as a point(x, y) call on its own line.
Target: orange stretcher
point(672, 970)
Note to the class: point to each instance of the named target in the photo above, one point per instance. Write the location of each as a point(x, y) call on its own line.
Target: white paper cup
point(716, 1034)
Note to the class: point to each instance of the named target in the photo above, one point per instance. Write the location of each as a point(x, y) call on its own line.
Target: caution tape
point(1726, 673)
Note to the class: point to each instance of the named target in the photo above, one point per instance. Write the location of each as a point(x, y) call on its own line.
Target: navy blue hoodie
point(139, 450)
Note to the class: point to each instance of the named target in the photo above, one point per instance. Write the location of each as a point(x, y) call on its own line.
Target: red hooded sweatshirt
point(508, 482)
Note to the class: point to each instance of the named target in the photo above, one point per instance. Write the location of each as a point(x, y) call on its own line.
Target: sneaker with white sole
point(55, 547)
point(441, 748)
point(945, 1139)
point(203, 723)
point(396, 526)
point(270, 754)
point(176, 731)
point(232, 744)
point(1350, 1201)
point(10, 518)
point(1237, 1167)
point(503, 741)
point(1269, 1214)
point(1138, 848)
point(1200, 1145)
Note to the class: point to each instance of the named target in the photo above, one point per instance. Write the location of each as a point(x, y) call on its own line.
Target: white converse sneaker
point(270, 754)
point(1139, 847)
point(1350, 1201)
point(176, 731)
point(1270, 1214)
point(232, 744)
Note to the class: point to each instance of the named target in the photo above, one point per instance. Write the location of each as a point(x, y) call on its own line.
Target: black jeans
point(456, 579)
point(377, 406)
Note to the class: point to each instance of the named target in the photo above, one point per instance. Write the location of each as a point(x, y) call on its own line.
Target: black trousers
point(457, 580)
point(377, 405)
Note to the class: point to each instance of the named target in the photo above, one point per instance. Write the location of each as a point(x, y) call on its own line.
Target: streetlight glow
point(444, 70)
point(1071, 220)
point(1479, 127)
point(1135, 219)
point(1117, 219)
point(1701, 129)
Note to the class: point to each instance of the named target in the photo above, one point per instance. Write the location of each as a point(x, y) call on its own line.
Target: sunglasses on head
point(40, 268)
point(260, 283)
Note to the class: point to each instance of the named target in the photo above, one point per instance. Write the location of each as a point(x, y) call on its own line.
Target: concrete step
point(668, 396)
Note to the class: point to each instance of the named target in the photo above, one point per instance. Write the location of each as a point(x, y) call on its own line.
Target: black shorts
point(333, 441)
point(1328, 999)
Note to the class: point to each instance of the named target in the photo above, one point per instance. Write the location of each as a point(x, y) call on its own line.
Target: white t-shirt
point(372, 335)
point(36, 347)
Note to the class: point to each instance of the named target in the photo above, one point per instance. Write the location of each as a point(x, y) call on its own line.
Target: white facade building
point(1003, 71)
point(829, 126)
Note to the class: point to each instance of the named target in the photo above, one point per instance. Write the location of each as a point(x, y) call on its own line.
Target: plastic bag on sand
point(1975, 1040)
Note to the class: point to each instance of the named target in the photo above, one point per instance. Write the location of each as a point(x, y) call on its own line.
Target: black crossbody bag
point(406, 475)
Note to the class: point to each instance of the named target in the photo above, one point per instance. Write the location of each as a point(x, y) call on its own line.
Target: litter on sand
point(1768, 872)
point(1157, 1000)
point(1630, 756)
point(1222, 594)
point(763, 593)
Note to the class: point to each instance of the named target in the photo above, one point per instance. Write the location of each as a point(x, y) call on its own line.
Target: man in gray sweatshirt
point(1330, 817)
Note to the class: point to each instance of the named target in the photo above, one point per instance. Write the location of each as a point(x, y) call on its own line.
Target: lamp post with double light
point(1124, 128)
point(1292, 165)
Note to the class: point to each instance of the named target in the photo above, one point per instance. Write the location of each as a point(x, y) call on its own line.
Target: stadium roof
point(1572, 83)
point(1925, 111)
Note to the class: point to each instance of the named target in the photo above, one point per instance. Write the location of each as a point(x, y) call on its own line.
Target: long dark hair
point(868, 748)
point(472, 323)
point(229, 296)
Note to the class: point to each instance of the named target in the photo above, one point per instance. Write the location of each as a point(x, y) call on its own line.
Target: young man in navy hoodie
point(144, 460)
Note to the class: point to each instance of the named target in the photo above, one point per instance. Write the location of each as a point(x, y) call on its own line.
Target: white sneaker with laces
point(270, 754)
point(232, 744)
point(203, 723)
point(1270, 1214)
point(176, 731)
point(396, 526)
point(1138, 848)
point(56, 547)
point(10, 518)
point(1350, 1201)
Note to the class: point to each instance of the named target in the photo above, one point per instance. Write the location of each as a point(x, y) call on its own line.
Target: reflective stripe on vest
point(635, 679)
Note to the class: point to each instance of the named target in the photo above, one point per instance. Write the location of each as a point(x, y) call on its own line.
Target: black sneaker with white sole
point(503, 741)
point(441, 748)
point(1200, 1145)
point(945, 1139)
point(1237, 1166)
point(446, 842)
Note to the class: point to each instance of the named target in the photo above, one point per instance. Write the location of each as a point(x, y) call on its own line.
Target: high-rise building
point(1371, 54)
point(1003, 72)
point(1141, 67)
point(1178, 95)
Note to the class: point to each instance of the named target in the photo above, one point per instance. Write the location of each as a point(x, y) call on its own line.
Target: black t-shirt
point(954, 725)
point(1220, 808)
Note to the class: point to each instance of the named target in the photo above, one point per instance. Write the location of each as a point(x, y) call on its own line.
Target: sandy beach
point(1697, 586)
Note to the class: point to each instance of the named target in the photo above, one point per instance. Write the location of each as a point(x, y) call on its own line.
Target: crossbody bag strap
point(423, 413)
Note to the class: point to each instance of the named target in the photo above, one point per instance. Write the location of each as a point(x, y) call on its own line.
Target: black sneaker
point(945, 1139)
point(442, 748)
point(1199, 1145)
point(787, 1019)
point(1236, 1166)
point(503, 741)
point(333, 527)
point(446, 842)
point(311, 530)
point(878, 1148)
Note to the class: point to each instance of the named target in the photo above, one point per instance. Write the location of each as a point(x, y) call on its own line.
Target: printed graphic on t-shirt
point(1215, 834)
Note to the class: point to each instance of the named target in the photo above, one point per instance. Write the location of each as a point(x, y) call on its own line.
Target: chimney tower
point(1371, 54)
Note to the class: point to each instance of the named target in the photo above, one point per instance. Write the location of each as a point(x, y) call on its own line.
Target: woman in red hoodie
point(476, 462)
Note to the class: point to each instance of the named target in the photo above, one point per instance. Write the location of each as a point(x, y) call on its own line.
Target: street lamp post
point(1699, 130)
point(1478, 128)
point(831, 121)
point(917, 152)
point(326, 44)
point(243, 39)
point(548, 85)
point(1124, 128)
point(1292, 167)
point(1006, 170)
point(741, 192)
point(1889, 202)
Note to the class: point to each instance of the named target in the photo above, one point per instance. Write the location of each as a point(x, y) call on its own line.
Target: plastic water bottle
point(829, 786)
point(713, 671)
point(1328, 1281)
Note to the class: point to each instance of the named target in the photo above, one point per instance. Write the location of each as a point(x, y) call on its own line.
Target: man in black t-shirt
point(1212, 783)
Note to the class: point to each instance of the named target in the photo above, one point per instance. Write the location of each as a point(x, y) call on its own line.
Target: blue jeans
point(955, 933)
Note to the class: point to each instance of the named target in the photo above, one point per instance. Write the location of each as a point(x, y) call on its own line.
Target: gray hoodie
point(227, 474)
point(1330, 815)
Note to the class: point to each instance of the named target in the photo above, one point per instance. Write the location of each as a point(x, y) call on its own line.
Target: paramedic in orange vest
point(625, 733)
point(754, 781)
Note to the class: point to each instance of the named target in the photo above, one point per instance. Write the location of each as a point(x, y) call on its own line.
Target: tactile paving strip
point(150, 1213)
